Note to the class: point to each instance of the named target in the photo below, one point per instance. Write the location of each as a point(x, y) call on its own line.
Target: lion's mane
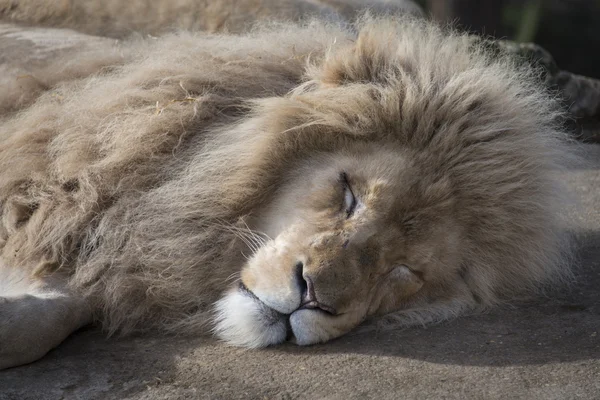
point(136, 181)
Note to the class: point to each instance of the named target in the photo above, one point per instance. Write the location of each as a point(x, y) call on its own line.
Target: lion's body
point(116, 18)
point(136, 184)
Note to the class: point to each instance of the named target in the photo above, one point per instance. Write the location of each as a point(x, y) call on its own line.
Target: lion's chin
point(307, 327)
point(243, 320)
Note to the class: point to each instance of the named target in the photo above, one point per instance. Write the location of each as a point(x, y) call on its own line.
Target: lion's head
point(354, 234)
point(420, 182)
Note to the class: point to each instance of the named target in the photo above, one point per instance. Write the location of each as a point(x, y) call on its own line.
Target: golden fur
point(146, 185)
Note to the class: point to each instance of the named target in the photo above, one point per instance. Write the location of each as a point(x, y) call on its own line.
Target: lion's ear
point(400, 284)
point(367, 60)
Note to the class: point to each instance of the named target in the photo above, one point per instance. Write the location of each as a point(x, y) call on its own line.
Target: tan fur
point(33, 60)
point(141, 182)
point(117, 18)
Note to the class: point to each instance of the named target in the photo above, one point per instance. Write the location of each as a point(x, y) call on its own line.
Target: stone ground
point(545, 349)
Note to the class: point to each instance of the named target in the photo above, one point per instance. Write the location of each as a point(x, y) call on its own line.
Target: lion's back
point(118, 19)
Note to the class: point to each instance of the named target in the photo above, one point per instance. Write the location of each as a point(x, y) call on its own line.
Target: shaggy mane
point(137, 181)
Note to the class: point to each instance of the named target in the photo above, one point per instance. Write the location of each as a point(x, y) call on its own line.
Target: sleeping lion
point(287, 184)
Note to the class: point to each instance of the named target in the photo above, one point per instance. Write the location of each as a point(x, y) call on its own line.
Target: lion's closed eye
point(349, 197)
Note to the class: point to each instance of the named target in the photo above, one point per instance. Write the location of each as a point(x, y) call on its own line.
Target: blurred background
point(568, 29)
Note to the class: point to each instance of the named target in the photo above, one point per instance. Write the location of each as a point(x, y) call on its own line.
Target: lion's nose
point(308, 290)
point(308, 298)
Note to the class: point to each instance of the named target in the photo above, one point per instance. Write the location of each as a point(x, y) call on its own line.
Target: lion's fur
point(33, 60)
point(136, 180)
point(117, 18)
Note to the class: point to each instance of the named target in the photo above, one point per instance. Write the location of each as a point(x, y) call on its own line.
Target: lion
point(289, 184)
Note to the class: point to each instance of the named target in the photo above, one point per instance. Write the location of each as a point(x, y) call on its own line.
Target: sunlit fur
point(118, 19)
point(145, 182)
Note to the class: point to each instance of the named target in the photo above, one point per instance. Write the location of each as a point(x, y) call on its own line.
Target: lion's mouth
point(307, 305)
point(243, 319)
point(272, 317)
point(315, 305)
